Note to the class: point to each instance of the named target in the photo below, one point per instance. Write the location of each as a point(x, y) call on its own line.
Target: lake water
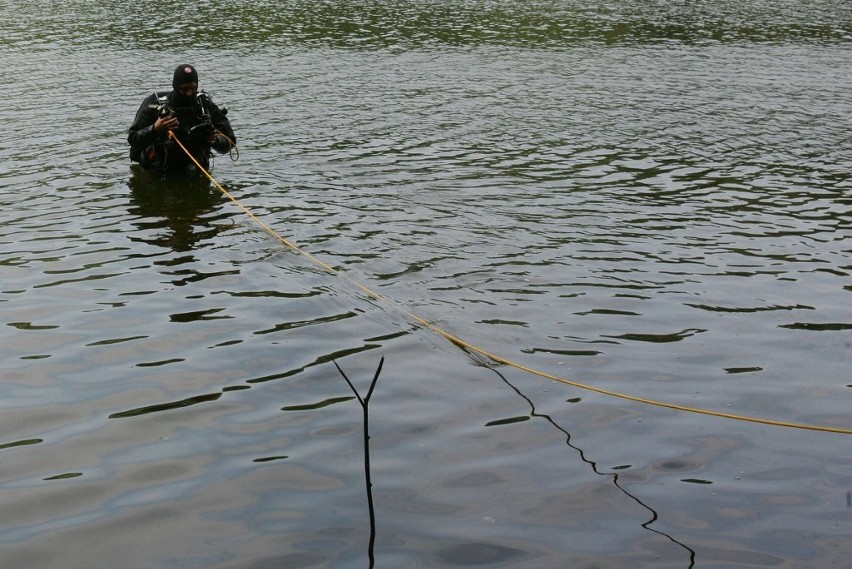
point(648, 198)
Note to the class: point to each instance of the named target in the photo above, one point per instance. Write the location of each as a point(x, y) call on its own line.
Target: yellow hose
point(499, 359)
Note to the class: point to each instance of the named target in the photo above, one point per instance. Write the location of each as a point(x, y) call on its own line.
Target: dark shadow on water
point(176, 212)
point(593, 464)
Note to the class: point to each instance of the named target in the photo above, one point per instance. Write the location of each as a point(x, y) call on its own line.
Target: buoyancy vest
point(193, 131)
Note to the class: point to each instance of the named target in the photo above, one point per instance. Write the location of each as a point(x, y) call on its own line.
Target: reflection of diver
point(176, 209)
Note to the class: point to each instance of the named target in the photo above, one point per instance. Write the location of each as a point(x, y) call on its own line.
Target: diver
point(185, 113)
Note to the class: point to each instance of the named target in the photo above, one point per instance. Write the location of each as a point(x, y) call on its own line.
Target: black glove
point(200, 133)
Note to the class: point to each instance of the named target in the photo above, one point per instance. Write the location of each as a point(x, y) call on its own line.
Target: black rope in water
point(593, 464)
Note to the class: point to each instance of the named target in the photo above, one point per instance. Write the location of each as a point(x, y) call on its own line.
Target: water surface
point(651, 198)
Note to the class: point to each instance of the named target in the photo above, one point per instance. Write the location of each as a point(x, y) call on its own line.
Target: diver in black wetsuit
point(190, 115)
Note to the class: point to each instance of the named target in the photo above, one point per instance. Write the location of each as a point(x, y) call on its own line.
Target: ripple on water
point(645, 197)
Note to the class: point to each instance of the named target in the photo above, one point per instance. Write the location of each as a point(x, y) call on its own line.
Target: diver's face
point(188, 90)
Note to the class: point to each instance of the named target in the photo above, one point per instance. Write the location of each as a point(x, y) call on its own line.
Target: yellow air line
point(499, 359)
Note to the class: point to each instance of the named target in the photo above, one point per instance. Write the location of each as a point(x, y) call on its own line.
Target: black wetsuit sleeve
point(223, 125)
point(142, 133)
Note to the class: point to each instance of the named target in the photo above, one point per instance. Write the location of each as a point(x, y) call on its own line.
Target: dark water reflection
point(648, 197)
point(176, 213)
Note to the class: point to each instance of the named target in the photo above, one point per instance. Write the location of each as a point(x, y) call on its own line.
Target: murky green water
point(651, 198)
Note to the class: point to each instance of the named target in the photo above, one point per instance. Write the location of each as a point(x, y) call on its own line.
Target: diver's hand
point(220, 142)
point(165, 124)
